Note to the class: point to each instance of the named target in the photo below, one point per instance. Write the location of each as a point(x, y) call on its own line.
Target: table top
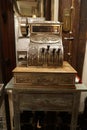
point(11, 86)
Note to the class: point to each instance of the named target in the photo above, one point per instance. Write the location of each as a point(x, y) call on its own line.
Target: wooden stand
point(39, 89)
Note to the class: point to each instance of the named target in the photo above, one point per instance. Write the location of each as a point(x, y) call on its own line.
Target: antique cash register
point(46, 48)
point(44, 58)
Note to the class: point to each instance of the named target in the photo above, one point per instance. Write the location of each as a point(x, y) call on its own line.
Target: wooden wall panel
point(1, 76)
point(82, 37)
point(8, 38)
point(75, 30)
point(47, 9)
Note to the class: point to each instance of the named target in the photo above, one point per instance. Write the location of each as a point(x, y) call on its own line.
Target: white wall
point(54, 10)
point(84, 75)
point(84, 80)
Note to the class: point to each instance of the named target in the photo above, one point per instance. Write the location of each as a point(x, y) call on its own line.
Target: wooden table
point(45, 89)
point(46, 99)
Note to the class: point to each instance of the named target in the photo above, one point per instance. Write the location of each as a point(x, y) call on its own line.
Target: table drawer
point(46, 101)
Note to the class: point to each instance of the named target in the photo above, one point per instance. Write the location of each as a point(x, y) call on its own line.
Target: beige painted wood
point(66, 68)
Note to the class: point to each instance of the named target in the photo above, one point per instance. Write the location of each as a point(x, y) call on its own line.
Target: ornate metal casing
point(45, 48)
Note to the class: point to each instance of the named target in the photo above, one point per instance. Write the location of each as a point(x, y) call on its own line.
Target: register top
point(66, 68)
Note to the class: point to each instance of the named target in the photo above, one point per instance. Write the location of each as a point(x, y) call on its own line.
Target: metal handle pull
point(68, 38)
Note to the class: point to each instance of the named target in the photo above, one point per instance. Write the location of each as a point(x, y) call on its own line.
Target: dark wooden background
point(79, 29)
point(7, 42)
